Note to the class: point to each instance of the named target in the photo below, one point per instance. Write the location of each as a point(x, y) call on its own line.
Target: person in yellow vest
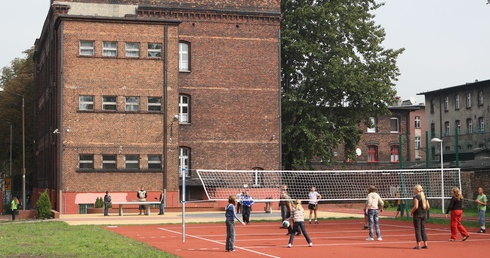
point(13, 206)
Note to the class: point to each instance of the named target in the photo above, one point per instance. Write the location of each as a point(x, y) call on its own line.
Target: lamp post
point(442, 171)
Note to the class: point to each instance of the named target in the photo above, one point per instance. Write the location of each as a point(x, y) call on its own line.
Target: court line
point(220, 243)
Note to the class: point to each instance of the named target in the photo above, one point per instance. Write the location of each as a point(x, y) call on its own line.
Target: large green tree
point(17, 80)
point(335, 75)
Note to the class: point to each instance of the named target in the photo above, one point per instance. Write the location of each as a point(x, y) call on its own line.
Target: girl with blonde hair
point(456, 209)
point(418, 213)
point(298, 216)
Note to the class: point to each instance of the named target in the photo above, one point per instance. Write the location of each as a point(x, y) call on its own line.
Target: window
point(155, 104)
point(132, 104)
point(132, 161)
point(417, 122)
point(432, 130)
point(109, 103)
point(468, 100)
point(469, 126)
point(109, 161)
point(446, 128)
point(457, 125)
point(184, 109)
point(418, 142)
point(446, 103)
point(132, 49)
point(154, 50)
point(372, 122)
point(154, 161)
point(432, 106)
point(184, 56)
point(456, 102)
point(394, 126)
point(395, 154)
point(109, 48)
point(372, 153)
point(480, 98)
point(86, 103)
point(481, 125)
point(184, 161)
point(86, 161)
point(87, 48)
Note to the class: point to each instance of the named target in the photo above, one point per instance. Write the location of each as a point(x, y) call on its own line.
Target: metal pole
point(23, 156)
point(183, 203)
point(442, 178)
point(11, 139)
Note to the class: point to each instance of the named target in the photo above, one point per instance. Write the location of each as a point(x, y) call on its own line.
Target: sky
point(447, 42)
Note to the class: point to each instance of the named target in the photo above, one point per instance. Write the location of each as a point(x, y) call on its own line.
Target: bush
point(43, 206)
point(99, 203)
point(386, 205)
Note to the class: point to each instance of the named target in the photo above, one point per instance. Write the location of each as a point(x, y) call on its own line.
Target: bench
point(147, 204)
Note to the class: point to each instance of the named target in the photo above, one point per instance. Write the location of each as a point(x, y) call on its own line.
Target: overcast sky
point(447, 42)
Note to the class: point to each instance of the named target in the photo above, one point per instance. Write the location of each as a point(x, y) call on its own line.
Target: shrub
point(43, 206)
point(99, 203)
point(387, 204)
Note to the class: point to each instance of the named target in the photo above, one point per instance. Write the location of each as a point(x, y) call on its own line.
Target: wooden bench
point(147, 204)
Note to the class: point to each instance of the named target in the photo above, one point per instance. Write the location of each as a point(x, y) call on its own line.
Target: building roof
point(458, 87)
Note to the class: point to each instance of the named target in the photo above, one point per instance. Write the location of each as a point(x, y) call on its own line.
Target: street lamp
point(23, 150)
point(442, 171)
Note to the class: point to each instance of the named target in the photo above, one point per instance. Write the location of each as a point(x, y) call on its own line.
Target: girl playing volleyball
point(298, 216)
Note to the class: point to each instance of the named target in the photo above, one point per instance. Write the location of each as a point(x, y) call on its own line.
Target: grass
point(58, 239)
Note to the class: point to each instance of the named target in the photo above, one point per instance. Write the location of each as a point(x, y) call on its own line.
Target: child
point(373, 202)
point(298, 216)
point(481, 201)
point(418, 213)
point(456, 209)
point(400, 204)
point(230, 214)
point(313, 204)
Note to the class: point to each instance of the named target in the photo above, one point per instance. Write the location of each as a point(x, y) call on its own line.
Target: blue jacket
point(247, 201)
point(230, 213)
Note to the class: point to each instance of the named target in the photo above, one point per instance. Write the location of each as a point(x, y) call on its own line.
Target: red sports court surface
point(332, 238)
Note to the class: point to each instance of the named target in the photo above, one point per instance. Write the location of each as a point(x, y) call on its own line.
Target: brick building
point(130, 92)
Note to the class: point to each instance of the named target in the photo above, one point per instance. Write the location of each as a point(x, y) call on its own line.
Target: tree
point(43, 206)
point(16, 81)
point(335, 75)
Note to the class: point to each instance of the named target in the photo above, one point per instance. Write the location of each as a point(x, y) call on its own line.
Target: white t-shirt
point(314, 197)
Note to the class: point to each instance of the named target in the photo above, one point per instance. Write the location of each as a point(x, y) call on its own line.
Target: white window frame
point(480, 98)
point(154, 50)
point(184, 109)
point(87, 48)
point(456, 102)
point(184, 56)
point(394, 158)
point(154, 104)
point(447, 128)
point(418, 142)
point(109, 48)
point(481, 124)
point(109, 161)
point(154, 161)
point(132, 49)
point(132, 161)
point(86, 103)
point(468, 100)
point(397, 125)
point(86, 161)
point(469, 126)
point(107, 105)
point(184, 154)
point(132, 104)
point(457, 124)
point(372, 129)
point(417, 121)
point(446, 103)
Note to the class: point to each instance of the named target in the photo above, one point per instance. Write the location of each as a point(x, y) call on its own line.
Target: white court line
point(220, 243)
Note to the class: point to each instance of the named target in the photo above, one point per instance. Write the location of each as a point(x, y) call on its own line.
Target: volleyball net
point(340, 185)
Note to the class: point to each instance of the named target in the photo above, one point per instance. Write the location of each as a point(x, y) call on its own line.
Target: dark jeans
point(419, 226)
point(299, 225)
point(246, 213)
point(230, 235)
point(284, 212)
point(106, 208)
point(162, 208)
point(13, 214)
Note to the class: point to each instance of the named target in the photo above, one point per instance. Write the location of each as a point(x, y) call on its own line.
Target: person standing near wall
point(162, 203)
point(13, 206)
point(481, 201)
point(142, 198)
point(107, 202)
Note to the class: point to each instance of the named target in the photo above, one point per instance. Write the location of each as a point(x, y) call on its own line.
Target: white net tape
point(342, 185)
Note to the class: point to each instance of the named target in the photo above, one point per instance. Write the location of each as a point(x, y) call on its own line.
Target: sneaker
point(310, 244)
point(451, 240)
point(466, 237)
point(365, 227)
point(316, 221)
point(380, 239)
point(369, 239)
point(481, 230)
point(289, 245)
point(298, 234)
point(232, 250)
point(425, 247)
point(309, 221)
point(417, 248)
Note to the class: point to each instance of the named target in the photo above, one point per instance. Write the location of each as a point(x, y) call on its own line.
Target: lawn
point(58, 239)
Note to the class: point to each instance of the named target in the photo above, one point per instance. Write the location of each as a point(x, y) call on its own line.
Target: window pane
point(154, 161)
point(86, 161)
point(109, 161)
point(132, 162)
point(394, 125)
point(86, 103)
point(132, 49)
point(154, 104)
point(109, 103)
point(132, 103)
point(109, 48)
point(154, 50)
point(86, 48)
